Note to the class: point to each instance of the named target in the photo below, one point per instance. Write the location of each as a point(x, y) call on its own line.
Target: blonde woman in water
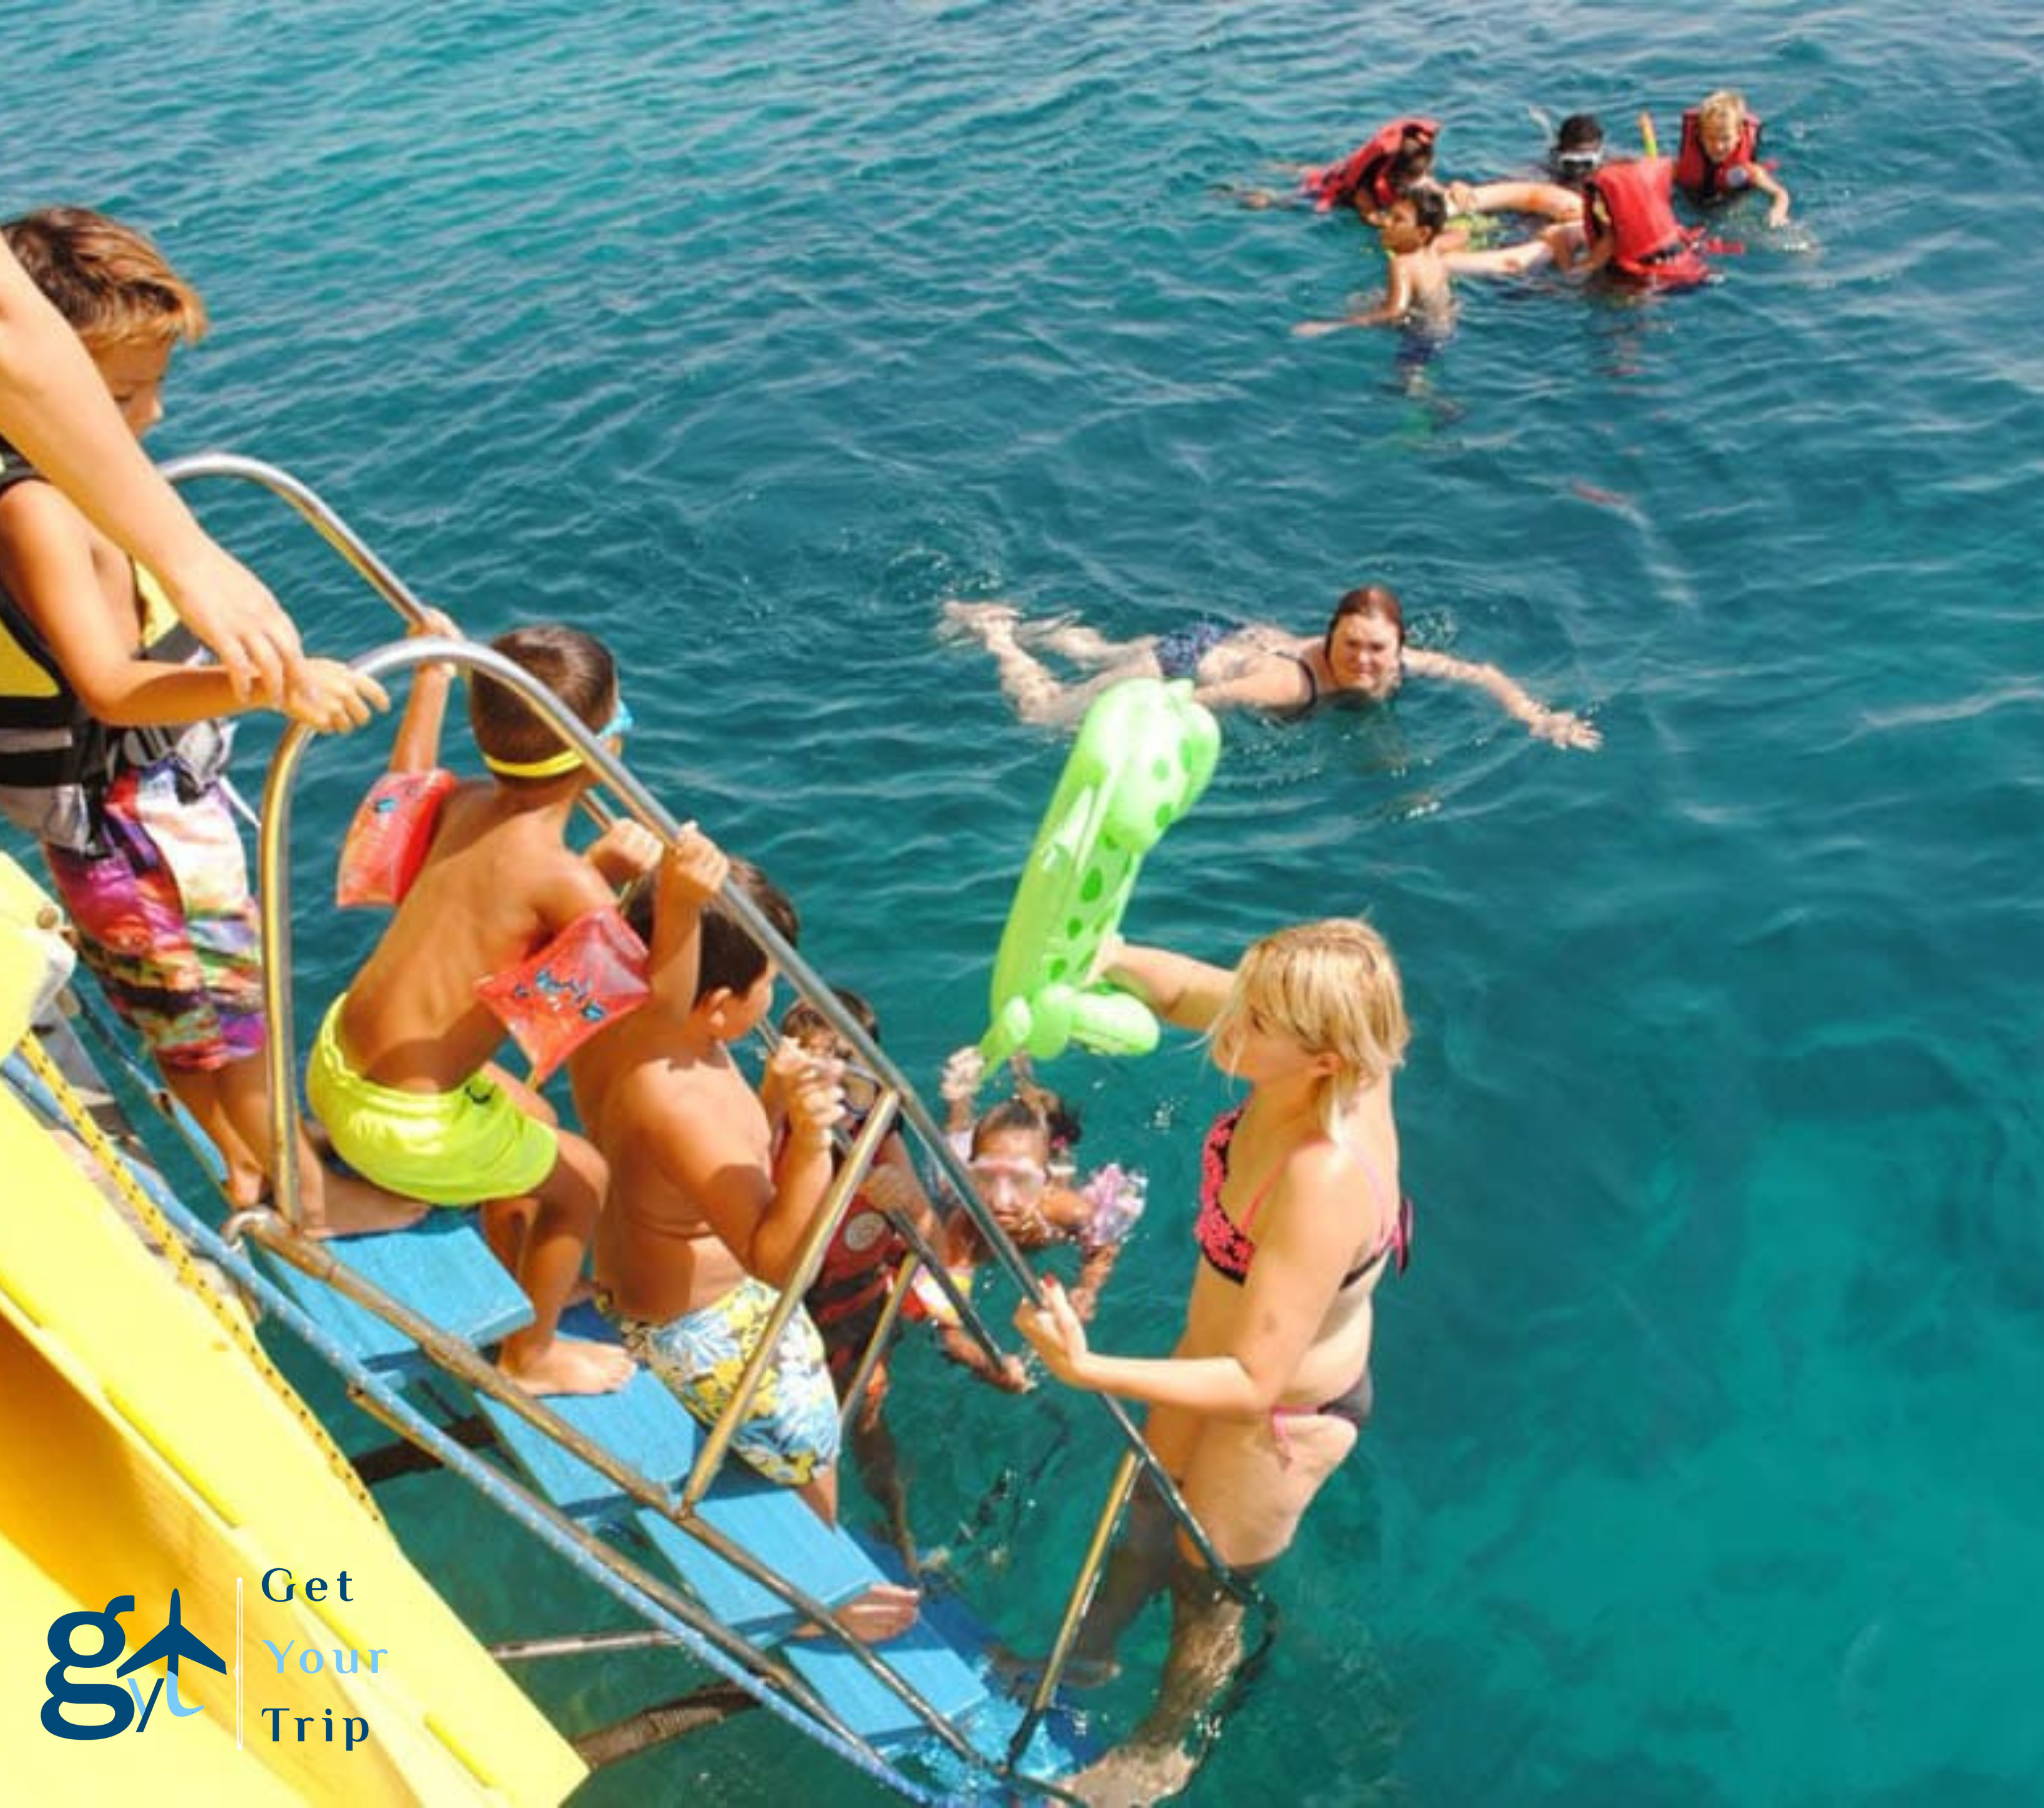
point(1300, 1215)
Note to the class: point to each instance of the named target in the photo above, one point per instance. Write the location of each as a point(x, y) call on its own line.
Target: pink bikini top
point(1227, 1248)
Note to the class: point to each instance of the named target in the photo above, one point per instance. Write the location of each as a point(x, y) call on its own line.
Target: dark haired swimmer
point(1362, 655)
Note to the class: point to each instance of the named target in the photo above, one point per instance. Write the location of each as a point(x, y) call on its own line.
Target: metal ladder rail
point(323, 518)
point(381, 577)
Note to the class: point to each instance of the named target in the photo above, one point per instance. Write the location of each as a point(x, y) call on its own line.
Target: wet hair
point(1020, 1113)
point(1375, 602)
point(727, 957)
point(1725, 107)
point(1330, 986)
point(1412, 166)
point(109, 283)
point(577, 667)
point(1580, 132)
point(1429, 203)
point(805, 1023)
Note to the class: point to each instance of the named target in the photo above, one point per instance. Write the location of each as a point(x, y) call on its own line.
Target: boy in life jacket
point(1629, 228)
point(850, 1292)
point(1720, 154)
point(110, 753)
point(402, 1072)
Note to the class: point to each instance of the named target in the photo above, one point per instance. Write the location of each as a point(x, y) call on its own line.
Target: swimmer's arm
point(1556, 726)
point(1777, 195)
point(1396, 305)
point(1189, 993)
point(1070, 1214)
point(1548, 197)
point(1009, 1375)
point(1094, 1266)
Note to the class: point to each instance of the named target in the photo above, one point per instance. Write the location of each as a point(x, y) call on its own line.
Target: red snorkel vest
point(1696, 175)
point(1628, 203)
point(1367, 169)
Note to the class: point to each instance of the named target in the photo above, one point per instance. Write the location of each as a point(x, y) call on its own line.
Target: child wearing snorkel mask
point(1018, 1154)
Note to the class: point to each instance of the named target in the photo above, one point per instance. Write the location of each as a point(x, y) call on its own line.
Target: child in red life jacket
point(1720, 154)
point(851, 1290)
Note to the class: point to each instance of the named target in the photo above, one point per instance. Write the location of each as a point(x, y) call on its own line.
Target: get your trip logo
point(123, 1696)
point(93, 1695)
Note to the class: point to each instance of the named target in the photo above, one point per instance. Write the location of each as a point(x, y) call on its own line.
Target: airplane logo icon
point(171, 1644)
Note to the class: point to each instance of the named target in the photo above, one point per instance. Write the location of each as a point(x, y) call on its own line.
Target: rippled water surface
point(1705, 1467)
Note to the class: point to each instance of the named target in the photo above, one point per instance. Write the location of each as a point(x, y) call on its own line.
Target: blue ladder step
point(441, 1268)
point(772, 1522)
point(641, 1425)
point(645, 1427)
point(866, 1705)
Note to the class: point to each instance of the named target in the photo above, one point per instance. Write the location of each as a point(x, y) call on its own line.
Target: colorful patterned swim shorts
point(790, 1429)
point(165, 919)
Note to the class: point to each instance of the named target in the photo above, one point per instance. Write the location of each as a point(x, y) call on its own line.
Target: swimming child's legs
point(1506, 261)
point(1086, 645)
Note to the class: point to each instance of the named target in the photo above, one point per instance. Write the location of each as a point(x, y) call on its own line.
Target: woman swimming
point(1300, 1215)
point(1363, 654)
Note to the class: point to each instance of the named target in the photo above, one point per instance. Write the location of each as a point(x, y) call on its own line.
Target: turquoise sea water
point(1705, 1464)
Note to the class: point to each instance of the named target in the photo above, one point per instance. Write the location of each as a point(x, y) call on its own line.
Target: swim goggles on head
point(558, 765)
point(1569, 164)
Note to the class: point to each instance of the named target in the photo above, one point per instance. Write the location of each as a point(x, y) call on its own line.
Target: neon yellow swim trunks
point(447, 1149)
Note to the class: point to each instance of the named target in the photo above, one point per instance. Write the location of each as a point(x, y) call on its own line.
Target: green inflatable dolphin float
point(1143, 755)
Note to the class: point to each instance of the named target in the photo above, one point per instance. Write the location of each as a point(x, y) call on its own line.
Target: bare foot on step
point(566, 1365)
point(884, 1611)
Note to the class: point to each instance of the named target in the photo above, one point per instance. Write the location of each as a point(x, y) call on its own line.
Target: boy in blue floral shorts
point(708, 1210)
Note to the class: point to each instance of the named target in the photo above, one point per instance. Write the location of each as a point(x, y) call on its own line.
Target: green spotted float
point(1143, 755)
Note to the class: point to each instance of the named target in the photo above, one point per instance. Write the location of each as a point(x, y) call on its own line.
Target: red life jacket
point(1628, 203)
point(1696, 175)
point(1367, 169)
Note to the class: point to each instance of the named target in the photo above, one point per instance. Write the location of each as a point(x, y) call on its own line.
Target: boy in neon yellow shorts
point(401, 1074)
